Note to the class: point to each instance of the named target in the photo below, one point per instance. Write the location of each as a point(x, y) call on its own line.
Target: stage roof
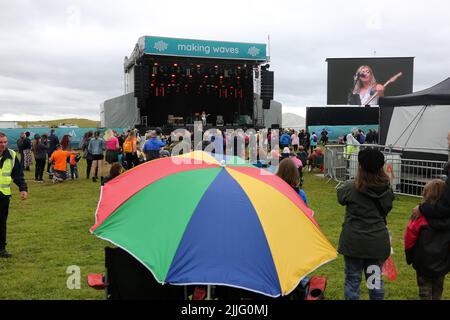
point(438, 94)
point(162, 46)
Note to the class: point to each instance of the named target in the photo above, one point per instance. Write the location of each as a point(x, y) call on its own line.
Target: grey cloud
point(60, 58)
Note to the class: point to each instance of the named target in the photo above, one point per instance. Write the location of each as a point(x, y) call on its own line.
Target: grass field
point(82, 123)
point(49, 232)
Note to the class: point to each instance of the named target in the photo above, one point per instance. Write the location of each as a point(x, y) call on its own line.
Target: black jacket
point(430, 255)
point(16, 173)
point(53, 141)
point(438, 211)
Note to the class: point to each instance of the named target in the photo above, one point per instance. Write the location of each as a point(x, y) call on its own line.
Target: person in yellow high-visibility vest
point(352, 145)
point(10, 170)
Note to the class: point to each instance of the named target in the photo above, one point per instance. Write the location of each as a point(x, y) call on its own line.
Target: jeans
point(353, 275)
point(4, 206)
point(61, 175)
point(73, 171)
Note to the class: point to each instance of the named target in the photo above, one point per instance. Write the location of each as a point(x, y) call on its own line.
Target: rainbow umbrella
point(197, 219)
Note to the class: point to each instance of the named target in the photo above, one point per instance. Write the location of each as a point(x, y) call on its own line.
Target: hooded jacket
point(428, 248)
point(364, 233)
point(430, 252)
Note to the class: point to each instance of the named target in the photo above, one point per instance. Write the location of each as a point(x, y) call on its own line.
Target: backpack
point(128, 146)
point(314, 138)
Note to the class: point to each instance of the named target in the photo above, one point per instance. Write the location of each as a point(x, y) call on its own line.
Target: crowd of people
point(364, 240)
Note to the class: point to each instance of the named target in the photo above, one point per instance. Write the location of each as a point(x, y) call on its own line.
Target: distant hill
point(292, 120)
point(82, 123)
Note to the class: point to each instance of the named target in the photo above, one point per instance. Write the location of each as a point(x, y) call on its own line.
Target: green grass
point(82, 123)
point(49, 232)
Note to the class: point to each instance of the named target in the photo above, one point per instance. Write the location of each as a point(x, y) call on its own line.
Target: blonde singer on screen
point(365, 87)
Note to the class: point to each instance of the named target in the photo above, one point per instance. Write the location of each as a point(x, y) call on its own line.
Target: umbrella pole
point(208, 292)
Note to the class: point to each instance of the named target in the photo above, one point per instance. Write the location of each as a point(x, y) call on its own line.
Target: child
point(288, 171)
point(115, 171)
point(74, 158)
point(426, 248)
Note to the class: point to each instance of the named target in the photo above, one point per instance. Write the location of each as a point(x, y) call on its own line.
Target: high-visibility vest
point(351, 148)
point(5, 174)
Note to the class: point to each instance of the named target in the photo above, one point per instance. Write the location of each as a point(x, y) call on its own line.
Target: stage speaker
point(141, 81)
point(266, 104)
point(219, 121)
point(267, 80)
point(275, 126)
point(138, 81)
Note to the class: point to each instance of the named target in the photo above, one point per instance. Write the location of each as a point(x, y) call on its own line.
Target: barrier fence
point(408, 176)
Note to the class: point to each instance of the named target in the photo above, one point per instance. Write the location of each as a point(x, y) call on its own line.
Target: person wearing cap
point(364, 239)
point(10, 170)
point(39, 148)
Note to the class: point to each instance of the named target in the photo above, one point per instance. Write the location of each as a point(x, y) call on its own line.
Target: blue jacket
point(302, 195)
point(154, 144)
point(285, 139)
point(96, 146)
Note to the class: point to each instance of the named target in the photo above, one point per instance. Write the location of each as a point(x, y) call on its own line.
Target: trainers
point(5, 254)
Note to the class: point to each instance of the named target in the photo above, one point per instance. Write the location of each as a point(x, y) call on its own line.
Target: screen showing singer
point(366, 90)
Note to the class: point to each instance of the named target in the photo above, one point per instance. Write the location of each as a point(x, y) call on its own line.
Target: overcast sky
point(63, 58)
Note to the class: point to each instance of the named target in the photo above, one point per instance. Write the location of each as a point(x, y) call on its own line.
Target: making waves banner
point(205, 48)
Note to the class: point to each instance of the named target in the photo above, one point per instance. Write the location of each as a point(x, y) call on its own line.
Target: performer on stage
point(365, 87)
point(204, 116)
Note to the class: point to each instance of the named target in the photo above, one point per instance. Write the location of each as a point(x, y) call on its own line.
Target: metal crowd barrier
point(408, 176)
